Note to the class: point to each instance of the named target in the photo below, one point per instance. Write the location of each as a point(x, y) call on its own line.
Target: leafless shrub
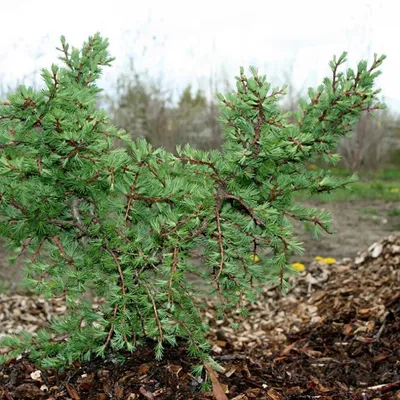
point(371, 142)
point(144, 109)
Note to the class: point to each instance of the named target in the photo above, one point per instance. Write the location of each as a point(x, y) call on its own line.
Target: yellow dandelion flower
point(254, 258)
point(298, 266)
point(319, 258)
point(394, 190)
point(329, 260)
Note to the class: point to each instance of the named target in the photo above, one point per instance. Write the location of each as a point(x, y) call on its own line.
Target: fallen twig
point(385, 388)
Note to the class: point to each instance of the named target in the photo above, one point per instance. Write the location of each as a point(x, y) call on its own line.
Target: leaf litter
point(335, 335)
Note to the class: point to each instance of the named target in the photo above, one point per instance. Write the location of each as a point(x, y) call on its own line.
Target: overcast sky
point(189, 41)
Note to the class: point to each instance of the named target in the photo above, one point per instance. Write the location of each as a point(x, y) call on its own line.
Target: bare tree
point(371, 142)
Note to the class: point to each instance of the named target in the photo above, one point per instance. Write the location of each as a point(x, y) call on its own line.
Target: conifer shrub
point(125, 221)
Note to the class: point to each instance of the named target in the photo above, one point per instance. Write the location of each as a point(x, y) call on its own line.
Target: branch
point(155, 311)
point(121, 276)
point(248, 209)
point(200, 162)
point(19, 207)
point(57, 242)
point(111, 327)
point(313, 220)
point(219, 235)
point(173, 268)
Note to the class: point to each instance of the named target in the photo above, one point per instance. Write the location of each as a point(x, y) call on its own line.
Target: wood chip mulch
point(335, 335)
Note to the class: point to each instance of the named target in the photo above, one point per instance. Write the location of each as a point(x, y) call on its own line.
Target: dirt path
point(357, 225)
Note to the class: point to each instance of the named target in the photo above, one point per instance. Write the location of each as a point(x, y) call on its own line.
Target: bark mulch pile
point(335, 335)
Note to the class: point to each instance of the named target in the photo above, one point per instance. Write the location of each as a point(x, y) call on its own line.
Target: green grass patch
point(394, 212)
point(383, 174)
point(369, 211)
point(4, 287)
point(376, 190)
point(388, 174)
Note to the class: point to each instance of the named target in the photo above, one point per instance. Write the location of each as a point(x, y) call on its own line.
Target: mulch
point(335, 335)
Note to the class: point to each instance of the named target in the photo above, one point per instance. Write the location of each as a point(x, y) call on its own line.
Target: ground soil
point(357, 223)
point(335, 335)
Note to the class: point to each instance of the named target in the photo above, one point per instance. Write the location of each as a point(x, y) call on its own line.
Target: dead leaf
point(376, 250)
point(246, 369)
point(370, 326)
point(124, 378)
point(318, 386)
point(240, 397)
point(143, 371)
point(274, 395)
point(175, 368)
point(28, 392)
point(85, 382)
point(318, 296)
point(225, 388)
point(360, 259)
point(347, 329)
point(118, 391)
point(312, 353)
point(380, 357)
point(159, 392)
point(36, 375)
point(217, 389)
point(145, 393)
point(72, 392)
point(230, 372)
point(104, 376)
point(288, 349)
point(44, 388)
point(216, 349)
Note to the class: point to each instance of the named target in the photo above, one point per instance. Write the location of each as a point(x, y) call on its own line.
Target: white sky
point(198, 39)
